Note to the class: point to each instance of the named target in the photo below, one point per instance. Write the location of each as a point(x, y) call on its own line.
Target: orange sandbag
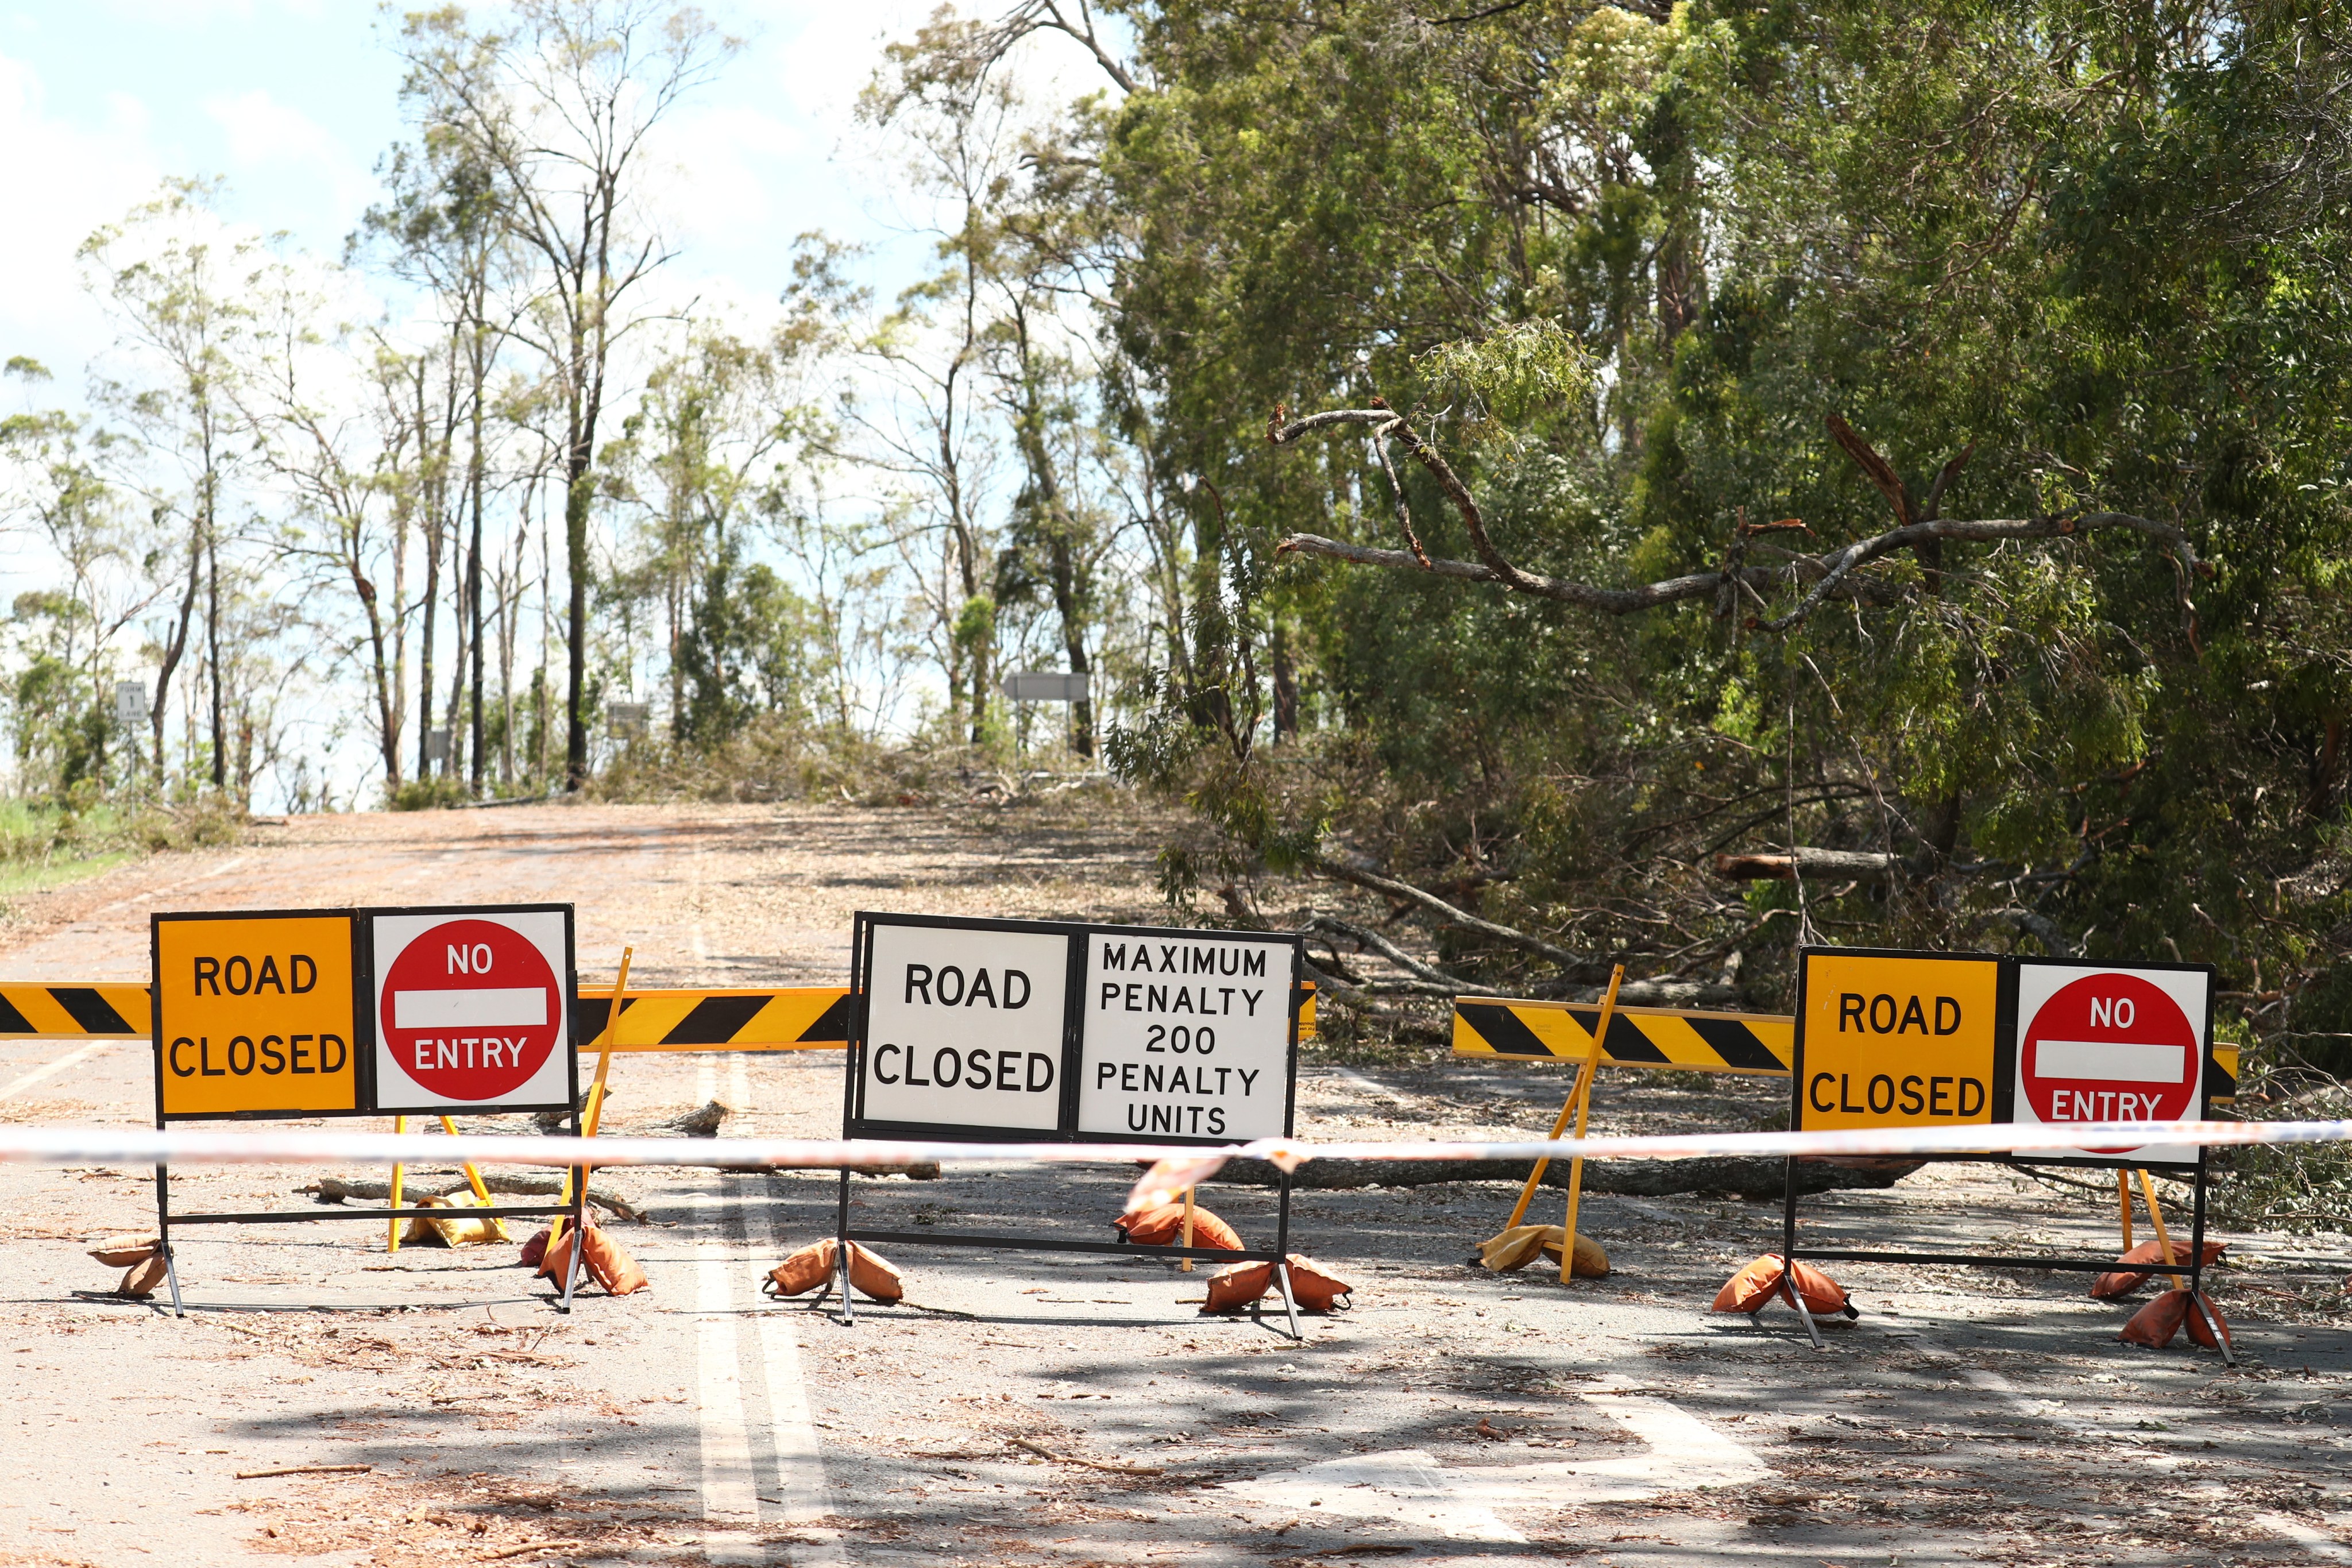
point(805, 1270)
point(2197, 1329)
point(2117, 1284)
point(1236, 1285)
point(1164, 1226)
point(2154, 1324)
point(534, 1251)
point(874, 1276)
point(122, 1251)
point(1757, 1286)
point(612, 1266)
point(603, 1260)
point(139, 1281)
point(1317, 1289)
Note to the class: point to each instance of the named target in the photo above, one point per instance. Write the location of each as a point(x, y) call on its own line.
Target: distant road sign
point(1046, 686)
point(2101, 1043)
point(255, 1014)
point(472, 1008)
point(1895, 1039)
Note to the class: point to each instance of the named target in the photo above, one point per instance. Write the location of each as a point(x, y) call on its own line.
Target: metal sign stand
point(853, 1126)
point(2194, 1266)
point(165, 1219)
point(362, 1047)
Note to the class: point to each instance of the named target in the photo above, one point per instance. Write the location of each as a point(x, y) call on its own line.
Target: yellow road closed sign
point(255, 1014)
point(1896, 1039)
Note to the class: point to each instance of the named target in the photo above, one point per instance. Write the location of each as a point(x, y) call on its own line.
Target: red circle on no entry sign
point(2110, 1048)
point(471, 1009)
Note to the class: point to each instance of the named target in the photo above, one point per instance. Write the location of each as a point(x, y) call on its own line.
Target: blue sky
point(292, 101)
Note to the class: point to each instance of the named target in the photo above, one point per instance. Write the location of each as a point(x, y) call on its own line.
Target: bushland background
point(1534, 486)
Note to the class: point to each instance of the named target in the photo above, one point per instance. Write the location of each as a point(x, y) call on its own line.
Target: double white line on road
point(731, 1488)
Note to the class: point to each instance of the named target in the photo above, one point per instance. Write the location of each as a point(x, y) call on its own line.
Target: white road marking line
point(731, 1493)
point(800, 1465)
point(1680, 1453)
point(40, 1073)
point(2317, 1542)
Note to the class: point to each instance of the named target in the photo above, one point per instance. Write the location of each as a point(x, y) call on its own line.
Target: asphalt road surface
point(1042, 1408)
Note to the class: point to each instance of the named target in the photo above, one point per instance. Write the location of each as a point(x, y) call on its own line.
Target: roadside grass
point(44, 844)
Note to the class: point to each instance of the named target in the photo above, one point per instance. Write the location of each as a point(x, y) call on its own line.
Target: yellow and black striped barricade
point(63, 1012)
point(789, 1019)
point(770, 1018)
point(1762, 1044)
point(1758, 1043)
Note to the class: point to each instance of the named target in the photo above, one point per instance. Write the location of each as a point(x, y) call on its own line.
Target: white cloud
point(58, 182)
point(263, 135)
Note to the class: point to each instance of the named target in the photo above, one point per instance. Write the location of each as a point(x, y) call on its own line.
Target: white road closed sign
point(2120, 1044)
point(1186, 1035)
point(963, 1026)
point(472, 1009)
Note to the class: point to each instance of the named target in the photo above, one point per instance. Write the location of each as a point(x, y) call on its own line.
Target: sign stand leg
point(840, 1245)
point(578, 1182)
point(2197, 1266)
point(1796, 1300)
point(163, 1237)
point(1289, 1300)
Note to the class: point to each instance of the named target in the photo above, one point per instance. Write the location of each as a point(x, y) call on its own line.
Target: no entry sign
point(2101, 1043)
point(472, 1008)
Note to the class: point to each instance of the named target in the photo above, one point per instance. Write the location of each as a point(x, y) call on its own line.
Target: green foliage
point(1623, 270)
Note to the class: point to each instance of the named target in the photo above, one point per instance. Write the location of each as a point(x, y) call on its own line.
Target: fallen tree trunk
point(1729, 1177)
point(336, 1190)
point(1867, 865)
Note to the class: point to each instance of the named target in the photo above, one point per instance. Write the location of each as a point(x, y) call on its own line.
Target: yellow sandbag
point(1522, 1244)
point(454, 1230)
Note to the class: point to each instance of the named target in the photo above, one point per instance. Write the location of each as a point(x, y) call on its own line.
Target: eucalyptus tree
point(557, 106)
point(173, 283)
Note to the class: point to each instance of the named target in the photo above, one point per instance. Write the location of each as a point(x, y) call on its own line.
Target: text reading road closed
point(964, 1026)
point(1896, 1041)
point(1186, 1037)
point(255, 1014)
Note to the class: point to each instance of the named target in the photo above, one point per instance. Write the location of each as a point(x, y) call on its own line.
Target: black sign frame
point(2001, 1096)
point(363, 1088)
point(854, 1124)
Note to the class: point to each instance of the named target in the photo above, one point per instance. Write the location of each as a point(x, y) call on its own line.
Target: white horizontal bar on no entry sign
point(2110, 1061)
point(512, 1008)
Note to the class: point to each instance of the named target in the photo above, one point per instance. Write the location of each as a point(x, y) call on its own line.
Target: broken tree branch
point(1831, 575)
point(1386, 949)
point(1431, 903)
point(1870, 864)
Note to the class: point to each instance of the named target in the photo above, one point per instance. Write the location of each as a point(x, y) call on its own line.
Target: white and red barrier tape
point(1175, 1168)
